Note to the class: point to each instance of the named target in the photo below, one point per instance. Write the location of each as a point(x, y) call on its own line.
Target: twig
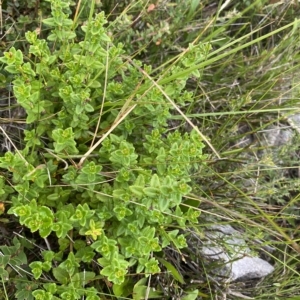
point(103, 98)
point(59, 158)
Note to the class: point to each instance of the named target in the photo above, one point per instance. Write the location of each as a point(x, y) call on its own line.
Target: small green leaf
point(86, 254)
point(49, 22)
point(141, 290)
point(163, 203)
point(140, 181)
point(177, 276)
point(37, 269)
point(48, 255)
point(82, 278)
point(124, 289)
point(4, 274)
point(107, 271)
point(94, 84)
point(11, 69)
point(50, 287)
point(61, 275)
point(88, 107)
point(137, 190)
point(39, 294)
point(148, 232)
point(95, 229)
point(151, 191)
point(191, 295)
point(155, 182)
point(152, 266)
point(45, 231)
point(4, 259)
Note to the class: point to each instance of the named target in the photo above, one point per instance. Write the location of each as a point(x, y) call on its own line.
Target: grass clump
point(131, 125)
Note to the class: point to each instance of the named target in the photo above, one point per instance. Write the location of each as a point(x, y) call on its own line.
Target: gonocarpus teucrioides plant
point(121, 204)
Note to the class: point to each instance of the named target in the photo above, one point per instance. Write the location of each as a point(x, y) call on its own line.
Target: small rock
point(277, 136)
point(250, 268)
point(225, 245)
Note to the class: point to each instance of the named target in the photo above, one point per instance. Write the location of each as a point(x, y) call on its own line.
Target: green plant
point(111, 199)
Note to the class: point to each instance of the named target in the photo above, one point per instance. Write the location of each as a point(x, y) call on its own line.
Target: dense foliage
point(106, 201)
